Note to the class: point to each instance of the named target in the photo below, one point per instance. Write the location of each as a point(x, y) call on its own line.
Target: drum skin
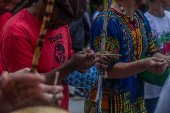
point(40, 109)
point(154, 79)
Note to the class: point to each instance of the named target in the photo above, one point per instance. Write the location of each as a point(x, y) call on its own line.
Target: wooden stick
point(55, 83)
point(46, 19)
point(56, 78)
point(100, 54)
point(97, 54)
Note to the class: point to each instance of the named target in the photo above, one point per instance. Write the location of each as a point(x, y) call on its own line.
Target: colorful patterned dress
point(132, 40)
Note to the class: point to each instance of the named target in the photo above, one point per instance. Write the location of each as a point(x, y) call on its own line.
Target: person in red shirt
point(5, 7)
point(21, 86)
point(4, 18)
point(20, 35)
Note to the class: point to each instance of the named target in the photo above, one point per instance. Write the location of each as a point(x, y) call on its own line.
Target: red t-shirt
point(1, 70)
point(18, 42)
point(4, 18)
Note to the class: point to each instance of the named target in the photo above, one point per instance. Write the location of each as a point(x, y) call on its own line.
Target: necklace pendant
point(121, 8)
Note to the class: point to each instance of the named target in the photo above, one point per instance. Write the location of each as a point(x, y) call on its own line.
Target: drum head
point(40, 109)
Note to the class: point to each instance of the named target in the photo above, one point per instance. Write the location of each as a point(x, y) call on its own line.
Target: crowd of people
point(130, 33)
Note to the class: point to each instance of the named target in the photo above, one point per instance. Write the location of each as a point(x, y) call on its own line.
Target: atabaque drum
point(41, 109)
point(154, 79)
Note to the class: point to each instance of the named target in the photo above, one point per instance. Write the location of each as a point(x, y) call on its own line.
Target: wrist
point(70, 66)
point(142, 64)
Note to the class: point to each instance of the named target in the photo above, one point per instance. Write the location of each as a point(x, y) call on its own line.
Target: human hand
point(18, 88)
point(155, 65)
point(103, 61)
point(25, 70)
point(51, 97)
point(82, 60)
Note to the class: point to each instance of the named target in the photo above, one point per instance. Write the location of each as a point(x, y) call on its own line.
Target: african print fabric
point(132, 40)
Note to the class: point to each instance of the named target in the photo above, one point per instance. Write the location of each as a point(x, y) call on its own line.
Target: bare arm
point(64, 70)
point(123, 70)
point(78, 62)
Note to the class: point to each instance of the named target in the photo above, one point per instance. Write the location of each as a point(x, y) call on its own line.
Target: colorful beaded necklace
point(124, 13)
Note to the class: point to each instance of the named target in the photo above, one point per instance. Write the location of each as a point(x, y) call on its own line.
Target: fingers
point(103, 62)
point(49, 99)
point(59, 96)
point(92, 63)
point(80, 52)
point(90, 56)
point(162, 69)
point(51, 89)
point(100, 65)
point(89, 50)
point(103, 66)
point(158, 64)
point(3, 80)
point(19, 81)
point(157, 59)
point(21, 95)
point(30, 92)
point(26, 70)
point(26, 78)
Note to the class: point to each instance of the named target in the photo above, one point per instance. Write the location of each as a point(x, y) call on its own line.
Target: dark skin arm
point(78, 62)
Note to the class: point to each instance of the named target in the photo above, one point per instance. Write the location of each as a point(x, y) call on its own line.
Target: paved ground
point(76, 104)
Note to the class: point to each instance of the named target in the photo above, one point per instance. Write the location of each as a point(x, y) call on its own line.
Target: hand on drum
point(155, 65)
point(17, 88)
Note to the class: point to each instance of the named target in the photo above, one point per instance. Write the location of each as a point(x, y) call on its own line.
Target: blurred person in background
point(144, 7)
point(163, 104)
point(99, 10)
point(159, 20)
point(80, 36)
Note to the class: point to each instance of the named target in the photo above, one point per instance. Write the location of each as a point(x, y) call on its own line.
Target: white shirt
point(95, 14)
point(161, 32)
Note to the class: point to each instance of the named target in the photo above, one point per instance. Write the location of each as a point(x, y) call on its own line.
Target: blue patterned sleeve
point(83, 80)
point(113, 42)
point(151, 46)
